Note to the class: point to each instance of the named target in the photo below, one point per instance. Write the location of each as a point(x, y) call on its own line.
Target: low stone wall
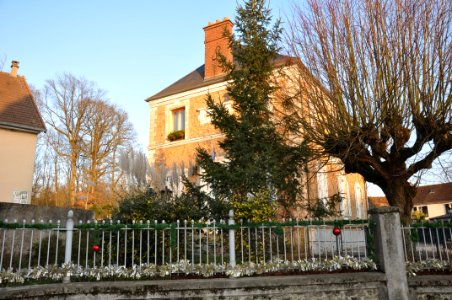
point(430, 287)
point(314, 287)
point(28, 212)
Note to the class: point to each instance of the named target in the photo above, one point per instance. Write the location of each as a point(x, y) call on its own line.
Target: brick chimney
point(14, 68)
point(216, 41)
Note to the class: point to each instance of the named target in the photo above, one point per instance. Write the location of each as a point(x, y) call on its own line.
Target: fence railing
point(427, 240)
point(112, 243)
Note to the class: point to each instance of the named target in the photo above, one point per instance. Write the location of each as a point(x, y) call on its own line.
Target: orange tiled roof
point(378, 201)
point(427, 194)
point(18, 109)
point(433, 194)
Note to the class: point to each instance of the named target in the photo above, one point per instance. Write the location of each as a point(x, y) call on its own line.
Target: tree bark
point(401, 193)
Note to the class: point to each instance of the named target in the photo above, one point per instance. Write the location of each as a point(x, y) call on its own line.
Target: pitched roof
point(376, 201)
point(426, 194)
point(433, 194)
point(195, 79)
point(192, 80)
point(18, 109)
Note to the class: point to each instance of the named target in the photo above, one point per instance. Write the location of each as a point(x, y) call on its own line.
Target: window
point(343, 190)
point(179, 119)
point(423, 209)
point(360, 209)
point(448, 207)
point(322, 182)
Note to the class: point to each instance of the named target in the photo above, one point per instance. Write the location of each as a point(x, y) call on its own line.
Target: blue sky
point(131, 49)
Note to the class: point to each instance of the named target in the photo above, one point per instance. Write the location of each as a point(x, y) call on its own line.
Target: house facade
point(20, 124)
point(179, 124)
point(433, 200)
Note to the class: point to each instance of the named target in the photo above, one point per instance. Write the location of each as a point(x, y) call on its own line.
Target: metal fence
point(112, 243)
point(427, 240)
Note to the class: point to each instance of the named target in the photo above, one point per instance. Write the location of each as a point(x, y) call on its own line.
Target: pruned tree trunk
point(401, 194)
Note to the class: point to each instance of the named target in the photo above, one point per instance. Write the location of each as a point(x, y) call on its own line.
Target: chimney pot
point(14, 68)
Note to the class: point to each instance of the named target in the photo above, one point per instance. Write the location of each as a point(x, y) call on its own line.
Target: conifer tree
point(257, 156)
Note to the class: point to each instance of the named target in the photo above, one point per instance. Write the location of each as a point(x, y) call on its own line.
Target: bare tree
point(78, 160)
point(106, 129)
point(66, 111)
point(374, 87)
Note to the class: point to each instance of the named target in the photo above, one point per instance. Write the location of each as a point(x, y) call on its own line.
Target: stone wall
point(29, 212)
point(315, 287)
point(430, 287)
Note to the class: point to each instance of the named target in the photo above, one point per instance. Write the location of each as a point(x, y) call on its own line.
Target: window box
point(176, 135)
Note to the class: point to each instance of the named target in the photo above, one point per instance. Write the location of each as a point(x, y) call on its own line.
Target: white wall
point(17, 155)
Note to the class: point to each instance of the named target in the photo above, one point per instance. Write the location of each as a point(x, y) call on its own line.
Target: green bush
point(192, 205)
point(258, 208)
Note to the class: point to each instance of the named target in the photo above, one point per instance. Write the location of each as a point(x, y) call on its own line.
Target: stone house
point(179, 123)
point(20, 124)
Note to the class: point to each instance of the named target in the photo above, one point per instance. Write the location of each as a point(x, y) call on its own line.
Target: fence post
point(231, 239)
point(68, 250)
point(389, 250)
point(69, 230)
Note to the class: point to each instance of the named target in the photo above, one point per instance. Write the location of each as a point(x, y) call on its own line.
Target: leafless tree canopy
point(66, 111)
point(78, 157)
point(377, 77)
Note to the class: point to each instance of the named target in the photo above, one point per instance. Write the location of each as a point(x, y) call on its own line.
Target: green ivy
point(431, 224)
point(162, 226)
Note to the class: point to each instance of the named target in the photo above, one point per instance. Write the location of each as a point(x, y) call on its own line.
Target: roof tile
point(18, 109)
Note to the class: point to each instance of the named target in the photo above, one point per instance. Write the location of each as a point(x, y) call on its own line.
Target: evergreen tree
point(257, 157)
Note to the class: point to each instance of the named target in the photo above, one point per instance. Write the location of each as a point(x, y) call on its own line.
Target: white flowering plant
point(428, 265)
point(75, 272)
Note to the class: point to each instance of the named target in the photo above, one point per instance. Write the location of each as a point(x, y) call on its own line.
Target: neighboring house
point(20, 124)
point(179, 123)
point(432, 200)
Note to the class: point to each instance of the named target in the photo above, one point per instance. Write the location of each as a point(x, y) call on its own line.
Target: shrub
point(256, 208)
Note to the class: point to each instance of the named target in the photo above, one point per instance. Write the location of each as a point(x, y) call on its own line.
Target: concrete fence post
point(231, 239)
point(389, 250)
point(68, 250)
point(69, 230)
